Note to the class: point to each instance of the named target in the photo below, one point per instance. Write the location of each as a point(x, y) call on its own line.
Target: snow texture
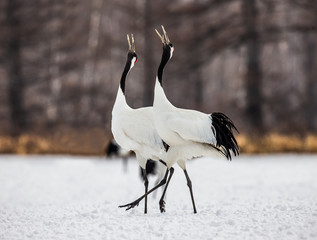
point(252, 197)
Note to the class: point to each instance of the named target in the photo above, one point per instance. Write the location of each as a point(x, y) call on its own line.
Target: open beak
point(164, 38)
point(131, 44)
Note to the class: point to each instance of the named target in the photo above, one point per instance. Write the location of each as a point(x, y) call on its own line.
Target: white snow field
point(252, 197)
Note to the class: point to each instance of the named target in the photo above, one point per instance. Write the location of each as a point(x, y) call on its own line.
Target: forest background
point(61, 62)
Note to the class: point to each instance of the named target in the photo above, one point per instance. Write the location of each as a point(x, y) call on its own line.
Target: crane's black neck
point(165, 58)
point(124, 74)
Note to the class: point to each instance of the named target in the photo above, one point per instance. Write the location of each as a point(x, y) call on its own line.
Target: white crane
point(189, 134)
point(133, 129)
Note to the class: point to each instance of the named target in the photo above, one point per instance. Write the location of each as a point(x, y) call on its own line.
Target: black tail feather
point(224, 127)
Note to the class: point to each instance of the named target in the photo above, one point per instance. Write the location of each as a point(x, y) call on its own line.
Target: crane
point(133, 129)
point(189, 133)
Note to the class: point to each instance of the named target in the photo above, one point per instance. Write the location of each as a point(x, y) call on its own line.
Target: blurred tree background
point(61, 62)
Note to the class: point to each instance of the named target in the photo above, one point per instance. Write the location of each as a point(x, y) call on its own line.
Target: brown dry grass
point(66, 141)
point(277, 143)
point(93, 142)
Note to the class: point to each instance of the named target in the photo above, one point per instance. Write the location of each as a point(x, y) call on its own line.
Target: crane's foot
point(162, 205)
point(136, 202)
point(130, 205)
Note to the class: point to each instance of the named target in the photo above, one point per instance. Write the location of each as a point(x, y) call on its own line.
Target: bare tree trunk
point(14, 68)
point(93, 41)
point(310, 65)
point(254, 72)
point(52, 110)
point(91, 61)
point(148, 55)
point(198, 79)
point(311, 73)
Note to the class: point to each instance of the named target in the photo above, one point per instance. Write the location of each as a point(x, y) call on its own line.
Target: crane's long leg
point(162, 202)
point(136, 202)
point(146, 185)
point(189, 184)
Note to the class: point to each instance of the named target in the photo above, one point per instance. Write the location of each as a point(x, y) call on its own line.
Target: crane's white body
point(134, 130)
point(188, 133)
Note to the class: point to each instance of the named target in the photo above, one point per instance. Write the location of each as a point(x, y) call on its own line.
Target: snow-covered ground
point(252, 197)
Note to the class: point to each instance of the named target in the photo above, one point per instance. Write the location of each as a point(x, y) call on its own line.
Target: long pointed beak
point(165, 34)
point(131, 44)
point(160, 36)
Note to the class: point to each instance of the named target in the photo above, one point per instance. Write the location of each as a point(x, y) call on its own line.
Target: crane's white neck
point(133, 61)
point(120, 103)
point(160, 99)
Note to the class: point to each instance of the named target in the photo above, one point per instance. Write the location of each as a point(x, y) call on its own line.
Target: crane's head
point(132, 57)
point(168, 47)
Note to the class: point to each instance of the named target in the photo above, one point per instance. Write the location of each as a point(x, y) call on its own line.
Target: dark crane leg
point(146, 185)
point(162, 202)
point(136, 202)
point(189, 184)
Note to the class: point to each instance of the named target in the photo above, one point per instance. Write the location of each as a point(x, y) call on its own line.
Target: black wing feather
point(224, 127)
